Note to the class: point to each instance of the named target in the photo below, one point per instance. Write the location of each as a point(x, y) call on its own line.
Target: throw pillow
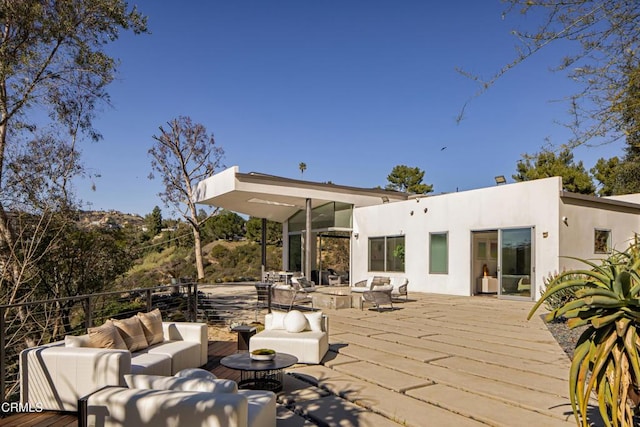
point(195, 373)
point(158, 382)
point(295, 321)
point(151, 323)
point(77, 341)
point(106, 336)
point(277, 320)
point(131, 331)
point(314, 320)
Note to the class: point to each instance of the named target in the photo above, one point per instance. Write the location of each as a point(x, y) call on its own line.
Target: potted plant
point(605, 360)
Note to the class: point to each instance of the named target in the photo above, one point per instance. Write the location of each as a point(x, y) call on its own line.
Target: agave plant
point(605, 359)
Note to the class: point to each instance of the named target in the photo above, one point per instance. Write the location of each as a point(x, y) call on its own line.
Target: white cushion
point(76, 341)
point(295, 321)
point(159, 382)
point(277, 320)
point(195, 373)
point(314, 321)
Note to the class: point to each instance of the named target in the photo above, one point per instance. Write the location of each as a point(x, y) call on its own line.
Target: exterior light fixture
point(500, 179)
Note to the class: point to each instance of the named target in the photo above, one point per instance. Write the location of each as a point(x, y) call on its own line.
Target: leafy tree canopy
point(546, 164)
point(225, 225)
point(602, 38)
point(408, 179)
point(254, 231)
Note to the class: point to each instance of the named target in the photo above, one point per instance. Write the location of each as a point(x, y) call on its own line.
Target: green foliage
point(405, 178)
point(225, 225)
point(303, 167)
point(153, 221)
point(605, 361)
point(553, 298)
point(254, 231)
point(546, 164)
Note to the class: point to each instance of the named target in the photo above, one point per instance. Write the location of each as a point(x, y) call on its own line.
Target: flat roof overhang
point(278, 199)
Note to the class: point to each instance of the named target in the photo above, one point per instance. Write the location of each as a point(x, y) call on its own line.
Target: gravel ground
point(567, 338)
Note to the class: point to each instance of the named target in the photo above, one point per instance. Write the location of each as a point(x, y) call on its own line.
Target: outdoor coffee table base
point(262, 380)
point(260, 375)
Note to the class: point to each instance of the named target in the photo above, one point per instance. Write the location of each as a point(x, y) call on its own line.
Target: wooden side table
point(245, 332)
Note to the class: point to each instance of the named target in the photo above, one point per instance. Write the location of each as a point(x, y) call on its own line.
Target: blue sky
point(351, 88)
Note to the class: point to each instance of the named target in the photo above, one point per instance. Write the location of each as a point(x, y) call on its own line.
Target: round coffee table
point(260, 374)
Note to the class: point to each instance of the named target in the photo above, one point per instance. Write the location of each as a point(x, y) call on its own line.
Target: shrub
point(554, 298)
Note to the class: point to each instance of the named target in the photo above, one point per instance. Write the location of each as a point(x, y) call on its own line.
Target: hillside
point(110, 219)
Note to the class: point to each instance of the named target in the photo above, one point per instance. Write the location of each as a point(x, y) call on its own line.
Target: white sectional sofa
point(177, 401)
point(57, 375)
point(288, 333)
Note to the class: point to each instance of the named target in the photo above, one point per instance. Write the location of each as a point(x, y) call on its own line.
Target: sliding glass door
point(516, 262)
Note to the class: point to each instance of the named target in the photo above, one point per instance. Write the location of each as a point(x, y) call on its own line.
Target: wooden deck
point(217, 350)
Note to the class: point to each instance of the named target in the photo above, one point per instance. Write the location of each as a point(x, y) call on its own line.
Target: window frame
point(446, 254)
point(386, 264)
point(597, 244)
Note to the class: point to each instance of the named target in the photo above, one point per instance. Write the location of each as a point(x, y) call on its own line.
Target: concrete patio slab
point(403, 409)
point(475, 359)
point(487, 410)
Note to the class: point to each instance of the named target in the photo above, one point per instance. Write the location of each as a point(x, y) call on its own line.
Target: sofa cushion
point(262, 408)
point(277, 320)
point(307, 346)
point(195, 373)
point(151, 323)
point(314, 321)
point(295, 321)
point(151, 364)
point(131, 331)
point(158, 382)
point(77, 341)
point(106, 336)
point(183, 354)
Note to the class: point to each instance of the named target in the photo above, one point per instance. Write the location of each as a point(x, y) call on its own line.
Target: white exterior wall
point(528, 204)
point(577, 235)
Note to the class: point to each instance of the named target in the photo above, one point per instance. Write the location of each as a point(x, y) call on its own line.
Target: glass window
point(295, 252)
point(438, 253)
point(386, 253)
point(376, 254)
point(395, 253)
point(602, 241)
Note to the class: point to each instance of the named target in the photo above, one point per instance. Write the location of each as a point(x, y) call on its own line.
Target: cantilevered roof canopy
point(276, 198)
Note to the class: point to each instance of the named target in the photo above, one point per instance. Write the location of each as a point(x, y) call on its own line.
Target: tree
point(546, 164)
point(183, 155)
point(52, 59)
point(405, 178)
point(303, 167)
point(225, 225)
point(153, 221)
point(254, 231)
point(604, 63)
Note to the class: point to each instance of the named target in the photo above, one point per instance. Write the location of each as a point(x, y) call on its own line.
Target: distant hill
point(110, 219)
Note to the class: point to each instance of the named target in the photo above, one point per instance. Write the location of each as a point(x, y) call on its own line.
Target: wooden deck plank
point(216, 351)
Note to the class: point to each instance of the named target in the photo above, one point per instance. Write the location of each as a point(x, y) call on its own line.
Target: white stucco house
point(502, 240)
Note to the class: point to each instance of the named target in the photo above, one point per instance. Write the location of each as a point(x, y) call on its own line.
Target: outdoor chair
point(400, 285)
point(288, 297)
point(378, 296)
point(302, 284)
point(370, 283)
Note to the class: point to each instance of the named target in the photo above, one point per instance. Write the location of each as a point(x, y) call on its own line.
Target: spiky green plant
point(606, 355)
